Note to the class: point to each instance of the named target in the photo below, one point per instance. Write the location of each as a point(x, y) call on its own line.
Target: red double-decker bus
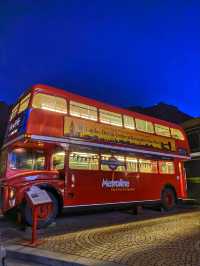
point(87, 153)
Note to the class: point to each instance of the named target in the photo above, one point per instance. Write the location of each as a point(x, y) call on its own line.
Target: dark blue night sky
point(121, 52)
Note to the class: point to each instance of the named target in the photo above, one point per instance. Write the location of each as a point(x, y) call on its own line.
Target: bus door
point(82, 177)
point(182, 180)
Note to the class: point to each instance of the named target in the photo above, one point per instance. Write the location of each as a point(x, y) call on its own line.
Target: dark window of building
point(194, 141)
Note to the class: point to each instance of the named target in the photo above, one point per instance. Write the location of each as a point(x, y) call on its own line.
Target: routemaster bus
point(87, 153)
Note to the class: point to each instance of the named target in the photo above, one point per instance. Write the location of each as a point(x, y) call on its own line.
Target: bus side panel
point(46, 123)
point(88, 187)
point(95, 187)
point(149, 186)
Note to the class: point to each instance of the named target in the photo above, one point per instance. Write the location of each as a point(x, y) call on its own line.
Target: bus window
point(84, 160)
point(83, 110)
point(110, 118)
point(131, 164)
point(129, 122)
point(143, 125)
point(177, 134)
point(58, 160)
point(23, 105)
point(50, 103)
point(14, 112)
point(107, 160)
point(27, 159)
point(148, 166)
point(166, 167)
point(162, 130)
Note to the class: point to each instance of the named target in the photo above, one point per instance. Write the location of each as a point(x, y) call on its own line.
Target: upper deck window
point(14, 111)
point(24, 103)
point(177, 134)
point(110, 118)
point(143, 125)
point(50, 103)
point(20, 107)
point(162, 130)
point(83, 110)
point(24, 159)
point(129, 122)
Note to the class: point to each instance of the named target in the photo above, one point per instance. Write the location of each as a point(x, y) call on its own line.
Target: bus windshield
point(25, 159)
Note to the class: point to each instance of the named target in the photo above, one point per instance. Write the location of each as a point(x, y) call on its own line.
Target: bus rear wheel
point(168, 199)
point(46, 215)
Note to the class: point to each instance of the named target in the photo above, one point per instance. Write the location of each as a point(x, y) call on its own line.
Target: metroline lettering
point(115, 183)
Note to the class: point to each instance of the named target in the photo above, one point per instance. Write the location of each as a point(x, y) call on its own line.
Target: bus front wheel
point(168, 199)
point(46, 215)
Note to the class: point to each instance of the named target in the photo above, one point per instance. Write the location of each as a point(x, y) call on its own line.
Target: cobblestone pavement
point(151, 238)
point(160, 241)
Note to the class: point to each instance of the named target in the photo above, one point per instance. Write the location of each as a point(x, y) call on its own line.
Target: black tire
point(168, 199)
point(27, 213)
point(11, 215)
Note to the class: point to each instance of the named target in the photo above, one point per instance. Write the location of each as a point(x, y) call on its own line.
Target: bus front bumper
point(6, 203)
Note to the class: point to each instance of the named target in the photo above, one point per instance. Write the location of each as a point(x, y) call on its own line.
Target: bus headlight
point(12, 193)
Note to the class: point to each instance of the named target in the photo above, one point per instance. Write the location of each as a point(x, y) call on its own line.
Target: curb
point(51, 258)
point(191, 202)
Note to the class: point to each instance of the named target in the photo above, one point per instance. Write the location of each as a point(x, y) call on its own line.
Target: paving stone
point(152, 238)
point(173, 240)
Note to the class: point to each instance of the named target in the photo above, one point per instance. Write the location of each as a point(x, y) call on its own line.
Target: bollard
point(2, 256)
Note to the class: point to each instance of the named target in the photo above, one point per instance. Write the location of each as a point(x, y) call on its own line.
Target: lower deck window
point(131, 164)
point(58, 160)
point(110, 162)
point(148, 166)
point(24, 159)
point(83, 160)
point(166, 167)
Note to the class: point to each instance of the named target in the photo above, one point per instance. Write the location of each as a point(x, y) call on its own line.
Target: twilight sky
point(121, 52)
